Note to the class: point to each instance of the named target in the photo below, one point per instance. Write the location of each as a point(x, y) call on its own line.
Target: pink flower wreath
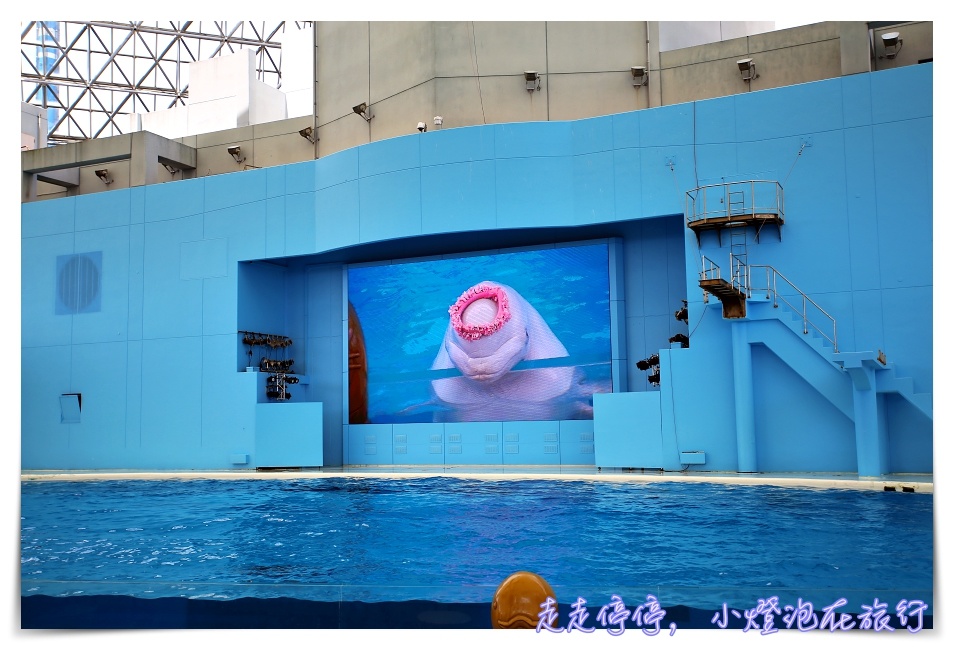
point(474, 332)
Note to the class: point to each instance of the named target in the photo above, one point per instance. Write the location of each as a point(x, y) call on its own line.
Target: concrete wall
point(676, 35)
point(224, 93)
point(158, 362)
point(471, 73)
point(782, 58)
point(262, 145)
point(33, 126)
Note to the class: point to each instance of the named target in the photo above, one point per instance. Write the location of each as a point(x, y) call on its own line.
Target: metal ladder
point(738, 241)
point(739, 258)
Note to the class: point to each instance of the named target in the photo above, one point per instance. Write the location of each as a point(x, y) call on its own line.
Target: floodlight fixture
point(892, 44)
point(681, 339)
point(236, 153)
point(308, 133)
point(747, 68)
point(363, 110)
point(103, 175)
point(532, 77)
point(649, 362)
point(640, 75)
point(683, 312)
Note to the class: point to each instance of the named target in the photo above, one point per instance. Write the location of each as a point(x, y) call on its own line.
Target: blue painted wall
point(186, 265)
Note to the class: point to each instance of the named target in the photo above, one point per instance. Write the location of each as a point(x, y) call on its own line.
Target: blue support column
point(744, 397)
point(871, 435)
point(670, 451)
point(871, 440)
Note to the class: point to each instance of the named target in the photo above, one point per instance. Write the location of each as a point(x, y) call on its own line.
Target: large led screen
point(508, 336)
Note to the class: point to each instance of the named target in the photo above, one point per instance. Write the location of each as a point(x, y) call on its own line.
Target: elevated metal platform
point(733, 299)
point(737, 204)
point(718, 224)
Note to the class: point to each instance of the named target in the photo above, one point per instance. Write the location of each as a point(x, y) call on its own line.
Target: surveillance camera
point(421, 127)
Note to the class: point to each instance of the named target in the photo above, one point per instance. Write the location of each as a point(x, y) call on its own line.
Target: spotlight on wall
point(640, 75)
point(892, 44)
point(747, 68)
point(169, 168)
point(363, 110)
point(648, 362)
point(103, 175)
point(422, 127)
point(683, 312)
point(533, 80)
point(681, 339)
point(438, 120)
point(236, 153)
point(308, 133)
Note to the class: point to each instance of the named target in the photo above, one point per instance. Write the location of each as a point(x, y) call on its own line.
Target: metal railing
point(793, 297)
point(710, 270)
point(738, 276)
point(796, 300)
point(737, 198)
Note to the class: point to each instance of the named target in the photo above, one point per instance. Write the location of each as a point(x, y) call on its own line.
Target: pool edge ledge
point(923, 484)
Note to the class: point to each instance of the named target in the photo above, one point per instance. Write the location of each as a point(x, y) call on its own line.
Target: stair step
point(925, 401)
point(887, 380)
point(893, 383)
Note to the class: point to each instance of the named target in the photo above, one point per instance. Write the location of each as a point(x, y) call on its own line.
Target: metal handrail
point(710, 270)
point(739, 280)
point(739, 275)
point(759, 202)
point(771, 291)
point(742, 282)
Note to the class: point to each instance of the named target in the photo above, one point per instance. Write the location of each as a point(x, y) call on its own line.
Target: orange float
point(516, 604)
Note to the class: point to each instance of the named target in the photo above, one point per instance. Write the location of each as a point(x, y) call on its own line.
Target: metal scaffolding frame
point(86, 74)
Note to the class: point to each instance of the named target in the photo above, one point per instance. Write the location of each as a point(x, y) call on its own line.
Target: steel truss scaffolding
point(87, 74)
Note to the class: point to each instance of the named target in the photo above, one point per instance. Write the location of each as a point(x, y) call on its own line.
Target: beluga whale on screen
point(492, 328)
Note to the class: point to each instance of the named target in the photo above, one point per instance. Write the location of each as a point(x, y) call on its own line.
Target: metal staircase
point(813, 319)
point(767, 295)
point(767, 309)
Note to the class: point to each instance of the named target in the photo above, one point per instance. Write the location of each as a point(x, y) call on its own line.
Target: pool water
point(448, 540)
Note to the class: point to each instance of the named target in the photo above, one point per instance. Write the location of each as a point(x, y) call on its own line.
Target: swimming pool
point(451, 541)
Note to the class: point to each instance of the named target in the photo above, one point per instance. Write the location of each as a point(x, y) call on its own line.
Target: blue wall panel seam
point(420, 192)
point(851, 275)
point(128, 289)
point(457, 162)
point(901, 120)
point(881, 286)
point(72, 317)
point(788, 137)
point(142, 320)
